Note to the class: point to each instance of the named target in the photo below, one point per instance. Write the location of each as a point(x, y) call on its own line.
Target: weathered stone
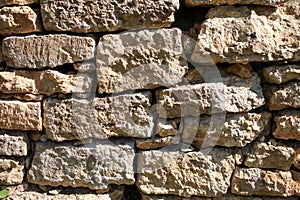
point(243, 71)
point(287, 125)
point(11, 172)
point(281, 74)
point(265, 155)
point(18, 20)
point(124, 115)
point(235, 197)
point(94, 166)
point(43, 82)
point(255, 181)
point(28, 97)
point(285, 96)
point(232, 2)
point(249, 34)
point(37, 52)
point(190, 174)
point(171, 197)
point(208, 98)
point(296, 162)
point(143, 59)
point(13, 145)
point(155, 143)
point(236, 130)
point(108, 15)
point(43, 196)
point(166, 128)
point(17, 2)
point(17, 115)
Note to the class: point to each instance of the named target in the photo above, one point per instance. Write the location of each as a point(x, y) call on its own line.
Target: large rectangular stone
point(124, 115)
point(37, 52)
point(94, 166)
point(17, 115)
point(186, 175)
point(15, 144)
point(106, 15)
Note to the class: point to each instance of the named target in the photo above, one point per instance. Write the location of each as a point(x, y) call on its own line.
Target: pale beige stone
point(94, 166)
point(235, 197)
point(37, 52)
point(237, 130)
point(144, 59)
point(171, 197)
point(106, 15)
point(186, 175)
point(281, 73)
point(13, 144)
point(125, 115)
point(265, 155)
point(243, 34)
point(155, 143)
point(43, 82)
point(166, 128)
point(285, 96)
point(296, 162)
point(255, 181)
point(18, 20)
point(17, 115)
point(11, 172)
point(17, 2)
point(232, 2)
point(287, 125)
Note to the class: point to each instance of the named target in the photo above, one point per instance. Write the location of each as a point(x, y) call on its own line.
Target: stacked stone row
point(79, 111)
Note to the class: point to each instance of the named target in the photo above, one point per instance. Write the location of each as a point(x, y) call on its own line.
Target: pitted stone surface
point(106, 15)
point(143, 59)
point(94, 166)
point(124, 115)
point(11, 172)
point(17, 115)
point(282, 73)
point(37, 52)
point(17, 2)
point(13, 145)
point(232, 2)
point(190, 174)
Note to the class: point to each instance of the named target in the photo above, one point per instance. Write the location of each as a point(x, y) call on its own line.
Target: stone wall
point(150, 99)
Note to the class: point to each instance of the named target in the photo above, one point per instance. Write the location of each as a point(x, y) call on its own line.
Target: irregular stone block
point(281, 74)
point(18, 20)
point(155, 143)
point(43, 82)
point(287, 125)
point(285, 96)
point(265, 155)
point(166, 128)
point(207, 98)
point(17, 2)
point(235, 197)
point(124, 115)
point(255, 181)
point(13, 145)
point(11, 172)
point(236, 130)
point(247, 34)
point(44, 196)
point(232, 2)
point(94, 166)
point(296, 162)
point(17, 115)
point(186, 175)
point(37, 52)
point(108, 15)
point(171, 197)
point(144, 59)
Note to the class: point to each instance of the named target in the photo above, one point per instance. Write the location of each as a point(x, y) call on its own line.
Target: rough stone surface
point(43, 82)
point(17, 115)
point(296, 162)
point(107, 15)
point(255, 181)
point(124, 115)
point(287, 125)
point(143, 59)
point(94, 166)
point(282, 74)
point(43, 196)
point(232, 2)
point(166, 128)
point(190, 174)
point(154, 143)
point(235, 197)
point(17, 2)
point(265, 155)
point(171, 197)
point(285, 96)
point(37, 52)
point(236, 130)
point(249, 34)
point(11, 172)
point(13, 145)
point(18, 20)
point(207, 98)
